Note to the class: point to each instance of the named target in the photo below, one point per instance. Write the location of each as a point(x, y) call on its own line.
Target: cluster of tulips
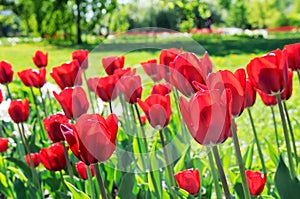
point(71, 124)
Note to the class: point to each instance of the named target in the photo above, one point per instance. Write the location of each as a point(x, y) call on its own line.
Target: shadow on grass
point(215, 47)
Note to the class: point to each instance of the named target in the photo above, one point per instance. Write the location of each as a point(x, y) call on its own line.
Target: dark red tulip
point(19, 110)
point(81, 169)
point(293, 54)
point(73, 101)
point(33, 78)
point(52, 126)
point(162, 89)
point(67, 75)
point(165, 58)
point(157, 109)
point(269, 73)
point(3, 144)
point(40, 59)
point(6, 72)
point(124, 71)
point(112, 63)
point(235, 82)
point(151, 68)
point(53, 158)
point(35, 157)
point(92, 138)
point(256, 182)
point(1, 96)
point(82, 57)
point(208, 115)
point(131, 87)
point(189, 180)
point(268, 100)
point(107, 89)
point(287, 93)
point(187, 68)
point(92, 83)
point(250, 94)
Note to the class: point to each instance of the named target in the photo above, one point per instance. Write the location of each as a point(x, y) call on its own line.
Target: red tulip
point(189, 180)
point(124, 72)
point(287, 93)
point(157, 109)
point(256, 182)
point(53, 158)
point(33, 78)
point(293, 54)
point(6, 72)
point(162, 89)
point(73, 101)
point(67, 75)
point(110, 64)
point(143, 119)
point(152, 69)
point(250, 94)
point(186, 69)
point(40, 59)
point(92, 83)
point(92, 138)
point(3, 144)
point(208, 115)
point(35, 157)
point(268, 100)
point(82, 57)
point(52, 126)
point(165, 58)
point(269, 73)
point(131, 87)
point(235, 82)
point(1, 96)
point(107, 89)
point(81, 168)
point(19, 110)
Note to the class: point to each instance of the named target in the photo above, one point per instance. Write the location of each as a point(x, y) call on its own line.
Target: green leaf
point(180, 165)
point(248, 157)
point(287, 187)
point(19, 188)
point(4, 187)
point(238, 187)
point(23, 166)
point(18, 172)
point(127, 185)
point(272, 152)
point(76, 194)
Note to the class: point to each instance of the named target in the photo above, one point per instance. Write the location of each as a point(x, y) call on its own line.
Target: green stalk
point(257, 142)
point(276, 131)
point(50, 101)
point(63, 182)
point(43, 102)
point(100, 181)
point(298, 73)
point(141, 124)
point(240, 161)
point(92, 187)
point(110, 107)
point(214, 173)
point(291, 131)
point(69, 167)
point(286, 137)
point(221, 172)
point(8, 92)
point(89, 92)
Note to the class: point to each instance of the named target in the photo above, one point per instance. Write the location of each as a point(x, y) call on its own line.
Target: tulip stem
point(276, 131)
point(110, 107)
point(257, 142)
point(141, 124)
point(89, 92)
point(221, 172)
point(28, 152)
point(298, 73)
point(170, 172)
point(38, 114)
point(286, 137)
point(240, 161)
point(43, 102)
point(70, 170)
point(214, 173)
point(50, 101)
point(8, 92)
point(63, 182)
point(291, 131)
point(92, 185)
point(100, 181)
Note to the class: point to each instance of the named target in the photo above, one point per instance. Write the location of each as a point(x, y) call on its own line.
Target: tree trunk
point(79, 40)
